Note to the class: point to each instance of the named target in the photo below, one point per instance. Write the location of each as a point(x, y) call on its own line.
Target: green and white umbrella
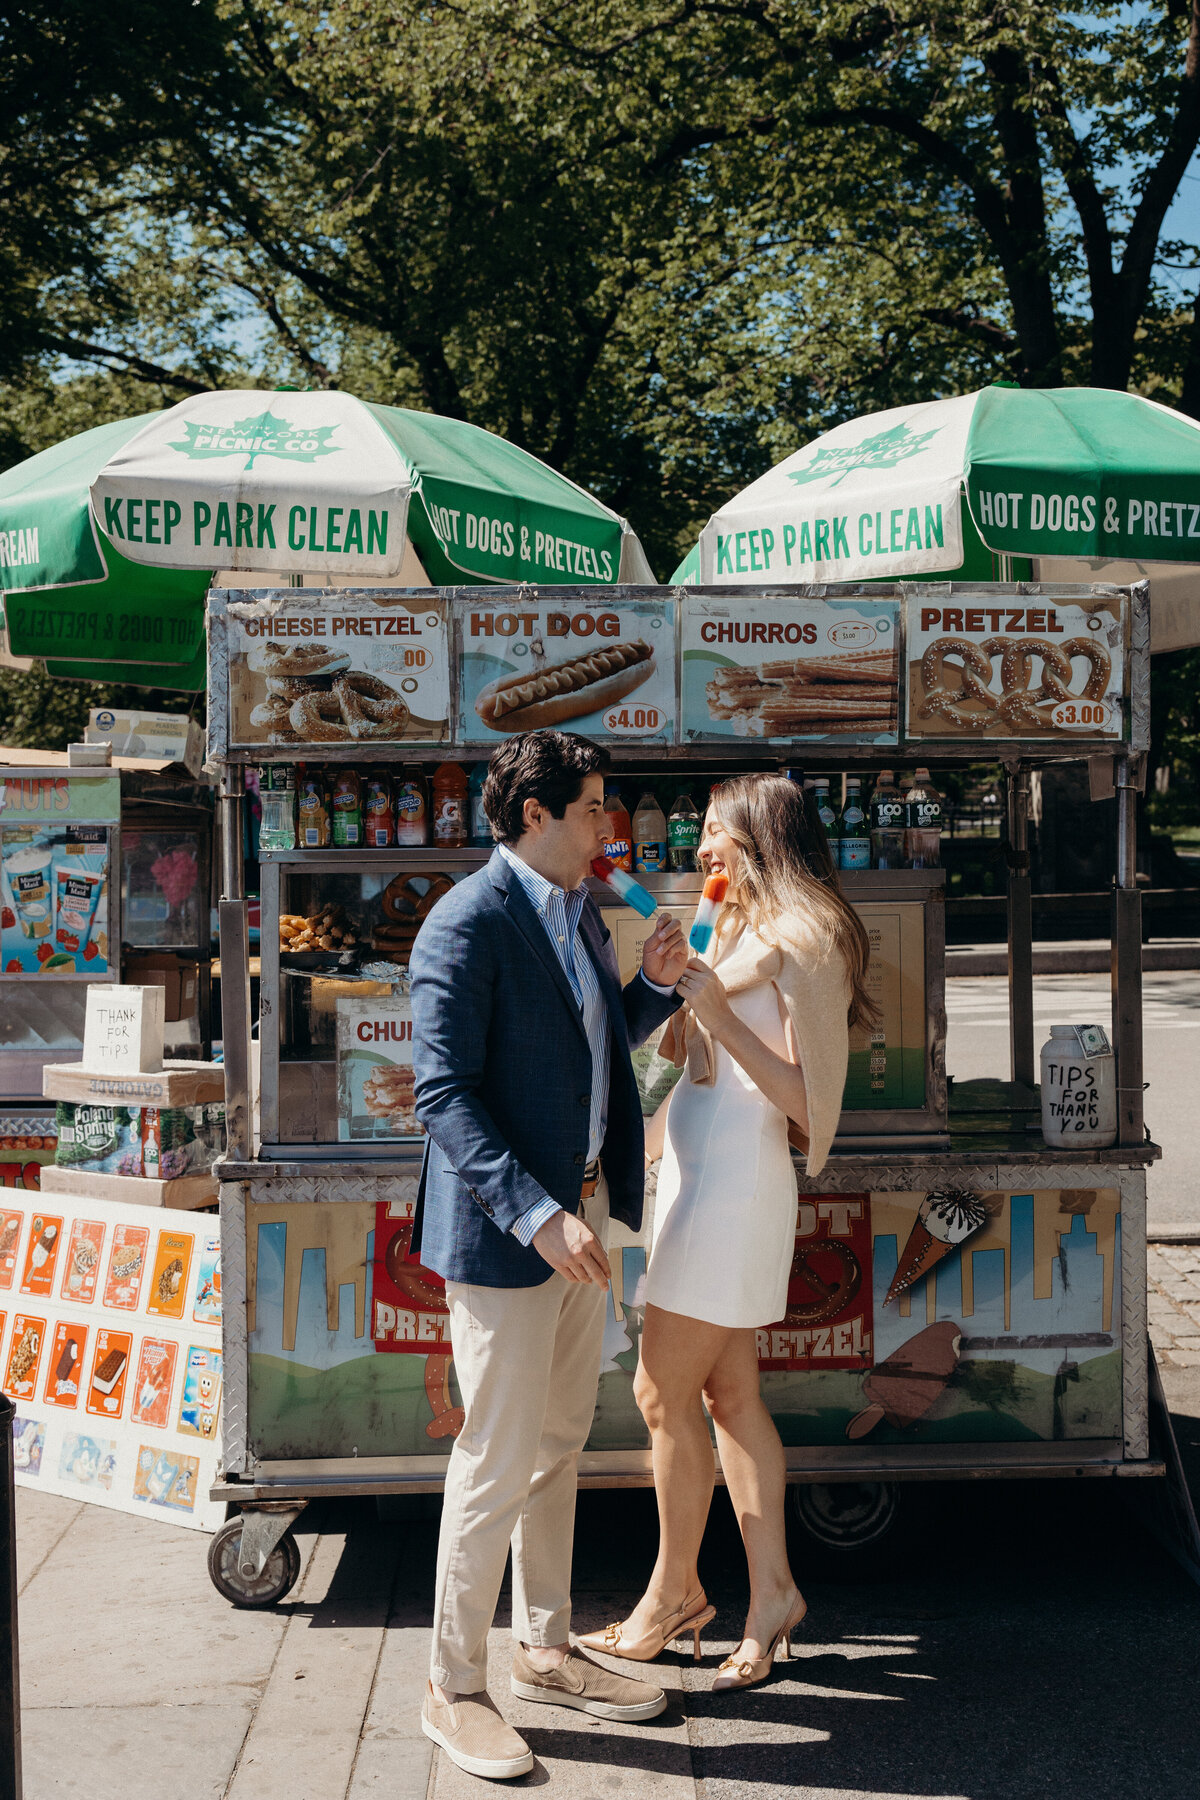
point(919, 491)
point(108, 542)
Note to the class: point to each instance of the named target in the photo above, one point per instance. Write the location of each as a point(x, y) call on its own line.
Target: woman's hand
point(704, 991)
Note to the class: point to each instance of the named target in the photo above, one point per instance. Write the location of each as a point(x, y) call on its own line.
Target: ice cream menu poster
point(54, 917)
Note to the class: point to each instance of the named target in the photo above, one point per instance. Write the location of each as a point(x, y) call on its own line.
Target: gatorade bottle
point(683, 836)
point(923, 838)
point(854, 835)
point(649, 837)
point(619, 847)
point(451, 826)
point(827, 815)
point(481, 831)
point(887, 823)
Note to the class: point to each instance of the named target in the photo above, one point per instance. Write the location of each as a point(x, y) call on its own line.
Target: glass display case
point(164, 876)
point(336, 1024)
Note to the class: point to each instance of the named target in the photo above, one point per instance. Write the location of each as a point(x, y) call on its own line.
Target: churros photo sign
point(986, 666)
point(784, 669)
point(602, 666)
point(339, 668)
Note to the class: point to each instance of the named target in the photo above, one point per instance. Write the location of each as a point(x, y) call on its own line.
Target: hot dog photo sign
point(337, 668)
point(603, 666)
point(1025, 666)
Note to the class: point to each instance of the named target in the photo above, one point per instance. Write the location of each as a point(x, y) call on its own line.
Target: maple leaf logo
point(883, 451)
point(260, 435)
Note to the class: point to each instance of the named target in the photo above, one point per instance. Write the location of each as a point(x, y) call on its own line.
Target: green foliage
point(38, 712)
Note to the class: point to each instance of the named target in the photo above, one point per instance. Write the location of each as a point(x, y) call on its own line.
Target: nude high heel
point(689, 1621)
point(749, 1671)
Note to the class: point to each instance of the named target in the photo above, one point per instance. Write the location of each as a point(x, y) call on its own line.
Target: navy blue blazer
point(504, 1078)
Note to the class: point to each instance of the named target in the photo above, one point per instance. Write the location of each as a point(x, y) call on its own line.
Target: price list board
point(603, 666)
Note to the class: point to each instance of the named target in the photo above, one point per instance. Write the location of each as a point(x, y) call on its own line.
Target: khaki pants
point(528, 1365)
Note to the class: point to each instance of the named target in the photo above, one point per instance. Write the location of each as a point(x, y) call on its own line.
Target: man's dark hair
point(549, 766)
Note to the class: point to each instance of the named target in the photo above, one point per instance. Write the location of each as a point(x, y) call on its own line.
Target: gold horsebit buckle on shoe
point(591, 1180)
point(742, 1669)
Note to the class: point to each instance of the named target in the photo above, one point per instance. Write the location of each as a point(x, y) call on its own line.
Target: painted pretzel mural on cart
point(957, 676)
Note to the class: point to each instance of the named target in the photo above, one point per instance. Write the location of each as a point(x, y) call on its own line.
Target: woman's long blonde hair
point(785, 872)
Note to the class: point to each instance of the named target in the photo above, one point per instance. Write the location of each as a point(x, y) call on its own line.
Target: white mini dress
point(725, 1214)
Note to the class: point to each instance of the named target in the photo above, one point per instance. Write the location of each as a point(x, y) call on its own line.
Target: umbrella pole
point(1020, 928)
point(1127, 959)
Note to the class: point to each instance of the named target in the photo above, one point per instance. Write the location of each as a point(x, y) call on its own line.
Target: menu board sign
point(786, 670)
point(375, 1067)
point(601, 666)
point(1022, 666)
point(339, 669)
point(118, 1384)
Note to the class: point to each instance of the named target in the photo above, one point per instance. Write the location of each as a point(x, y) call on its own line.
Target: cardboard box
point(160, 737)
point(188, 1193)
point(175, 1084)
point(180, 980)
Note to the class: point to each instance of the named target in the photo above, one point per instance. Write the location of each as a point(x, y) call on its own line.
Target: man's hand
point(665, 955)
point(572, 1248)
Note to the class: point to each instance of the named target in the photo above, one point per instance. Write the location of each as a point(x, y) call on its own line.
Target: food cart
point(966, 1300)
point(65, 825)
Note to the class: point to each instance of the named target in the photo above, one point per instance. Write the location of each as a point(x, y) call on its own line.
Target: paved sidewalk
point(1032, 1642)
point(1173, 1302)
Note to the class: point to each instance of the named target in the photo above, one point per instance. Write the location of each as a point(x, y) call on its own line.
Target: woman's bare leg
point(752, 1461)
point(677, 1355)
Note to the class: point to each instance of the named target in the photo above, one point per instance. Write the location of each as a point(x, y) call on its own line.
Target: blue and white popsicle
point(625, 887)
point(700, 936)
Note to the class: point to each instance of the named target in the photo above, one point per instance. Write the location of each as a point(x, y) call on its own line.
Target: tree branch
point(82, 351)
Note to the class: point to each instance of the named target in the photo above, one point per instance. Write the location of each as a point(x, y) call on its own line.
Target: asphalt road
point(977, 1044)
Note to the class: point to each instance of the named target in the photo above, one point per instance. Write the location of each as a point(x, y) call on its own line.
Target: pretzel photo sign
point(604, 667)
point(1026, 667)
point(788, 670)
point(346, 671)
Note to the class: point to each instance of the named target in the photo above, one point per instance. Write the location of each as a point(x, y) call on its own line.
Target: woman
point(763, 1039)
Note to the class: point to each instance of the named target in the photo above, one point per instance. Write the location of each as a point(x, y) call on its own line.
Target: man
point(521, 1039)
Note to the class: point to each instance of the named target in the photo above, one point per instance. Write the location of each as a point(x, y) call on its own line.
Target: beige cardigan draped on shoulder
point(813, 984)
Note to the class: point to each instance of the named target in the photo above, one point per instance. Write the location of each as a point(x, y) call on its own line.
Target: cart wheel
point(846, 1530)
point(279, 1576)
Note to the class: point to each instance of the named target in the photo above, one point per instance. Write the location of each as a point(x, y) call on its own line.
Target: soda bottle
point(410, 806)
point(379, 824)
point(683, 835)
point(887, 823)
point(649, 837)
point(451, 826)
point(923, 838)
point(854, 835)
point(312, 809)
point(346, 807)
point(826, 815)
point(481, 831)
point(619, 845)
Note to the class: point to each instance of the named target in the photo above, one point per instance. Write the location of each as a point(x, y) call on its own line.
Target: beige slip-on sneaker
point(475, 1737)
point(581, 1683)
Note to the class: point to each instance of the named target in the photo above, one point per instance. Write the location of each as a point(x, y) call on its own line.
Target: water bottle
point(887, 823)
point(277, 795)
point(683, 836)
point(923, 834)
point(854, 836)
point(649, 837)
point(826, 814)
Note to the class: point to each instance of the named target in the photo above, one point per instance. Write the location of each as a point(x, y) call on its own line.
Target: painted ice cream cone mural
point(944, 1220)
point(902, 1389)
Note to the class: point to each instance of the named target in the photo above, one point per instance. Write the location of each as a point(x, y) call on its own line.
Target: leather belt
point(591, 1180)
